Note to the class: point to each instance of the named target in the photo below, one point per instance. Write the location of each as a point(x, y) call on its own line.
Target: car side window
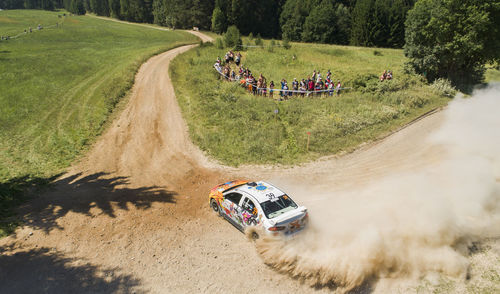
point(249, 206)
point(233, 197)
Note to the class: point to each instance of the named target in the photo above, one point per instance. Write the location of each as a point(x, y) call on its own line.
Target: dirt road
point(133, 215)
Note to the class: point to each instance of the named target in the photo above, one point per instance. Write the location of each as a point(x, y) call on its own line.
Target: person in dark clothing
point(295, 87)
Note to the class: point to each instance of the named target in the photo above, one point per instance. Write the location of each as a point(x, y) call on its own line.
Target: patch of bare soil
point(133, 215)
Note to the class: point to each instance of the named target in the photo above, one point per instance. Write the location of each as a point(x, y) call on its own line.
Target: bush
point(219, 44)
point(232, 37)
point(443, 87)
point(362, 80)
point(417, 101)
point(271, 45)
point(239, 45)
point(250, 36)
point(258, 41)
point(398, 83)
point(286, 44)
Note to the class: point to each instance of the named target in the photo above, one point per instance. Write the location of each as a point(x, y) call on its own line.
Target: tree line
point(451, 39)
point(377, 23)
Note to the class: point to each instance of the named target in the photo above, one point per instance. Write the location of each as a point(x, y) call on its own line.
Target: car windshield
point(277, 206)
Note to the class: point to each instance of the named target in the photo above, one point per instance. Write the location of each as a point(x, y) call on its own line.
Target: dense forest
point(377, 23)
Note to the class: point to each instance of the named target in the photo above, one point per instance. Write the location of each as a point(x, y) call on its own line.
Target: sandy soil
point(133, 215)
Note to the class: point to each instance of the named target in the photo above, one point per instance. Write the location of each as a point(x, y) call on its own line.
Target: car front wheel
point(215, 206)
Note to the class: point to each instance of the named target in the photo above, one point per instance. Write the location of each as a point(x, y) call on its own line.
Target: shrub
point(377, 53)
point(286, 44)
point(417, 101)
point(398, 83)
point(258, 41)
point(219, 44)
point(443, 87)
point(250, 36)
point(232, 37)
point(270, 47)
point(239, 45)
point(362, 80)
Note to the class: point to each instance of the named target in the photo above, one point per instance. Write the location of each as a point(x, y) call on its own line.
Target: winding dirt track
point(133, 215)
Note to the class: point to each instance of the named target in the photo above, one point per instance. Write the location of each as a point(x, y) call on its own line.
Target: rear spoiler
point(240, 183)
point(288, 218)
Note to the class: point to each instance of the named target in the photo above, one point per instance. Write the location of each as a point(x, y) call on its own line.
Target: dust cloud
point(406, 225)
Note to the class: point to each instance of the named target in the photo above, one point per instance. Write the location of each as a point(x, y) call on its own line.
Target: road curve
point(134, 211)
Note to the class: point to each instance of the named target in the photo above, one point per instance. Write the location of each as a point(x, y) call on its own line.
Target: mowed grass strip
point(59, 86)
point(238, 128)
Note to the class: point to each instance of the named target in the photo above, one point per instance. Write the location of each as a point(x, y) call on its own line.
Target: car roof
point(259, 190)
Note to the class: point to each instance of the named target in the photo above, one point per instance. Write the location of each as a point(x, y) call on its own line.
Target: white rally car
point(260, 205)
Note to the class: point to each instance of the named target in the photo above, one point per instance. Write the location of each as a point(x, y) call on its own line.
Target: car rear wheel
point(215, 206)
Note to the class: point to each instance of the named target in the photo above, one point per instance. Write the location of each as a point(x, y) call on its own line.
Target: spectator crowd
point(315, 84)
point(386, 75)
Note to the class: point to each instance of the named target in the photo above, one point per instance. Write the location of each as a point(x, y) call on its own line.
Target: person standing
point(282, 87)
point(295, 86)
point(285, 91)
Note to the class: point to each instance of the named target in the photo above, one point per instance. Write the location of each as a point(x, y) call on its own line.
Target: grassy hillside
point(58, 87)
point(237, 128)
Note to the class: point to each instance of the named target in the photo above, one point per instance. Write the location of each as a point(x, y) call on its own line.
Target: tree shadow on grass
point(13, 192)
point(89, 195)
point(43, 270)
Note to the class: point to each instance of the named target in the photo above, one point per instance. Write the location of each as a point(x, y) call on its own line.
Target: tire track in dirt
point(137, 203)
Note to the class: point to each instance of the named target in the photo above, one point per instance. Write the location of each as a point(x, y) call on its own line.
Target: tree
point(124, 9)
point(343, 20)
point(200, 13)
point(378, 31)
point(379, 23)
point(114, 8)
point(396, 22)
point(232, 37)
point(99, 7)
point(293, 17)
point(320, 24)
point(453, 39)
point(11, 4)
point(361, 23)
point(286, 44)
point(327, 23)
point(159, 12)
point(234, 14)
point(77, 7)
point(133, 10)
point(218, 21)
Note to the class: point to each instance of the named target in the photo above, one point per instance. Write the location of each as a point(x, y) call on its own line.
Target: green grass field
point(58, 87)
point(238, 128)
